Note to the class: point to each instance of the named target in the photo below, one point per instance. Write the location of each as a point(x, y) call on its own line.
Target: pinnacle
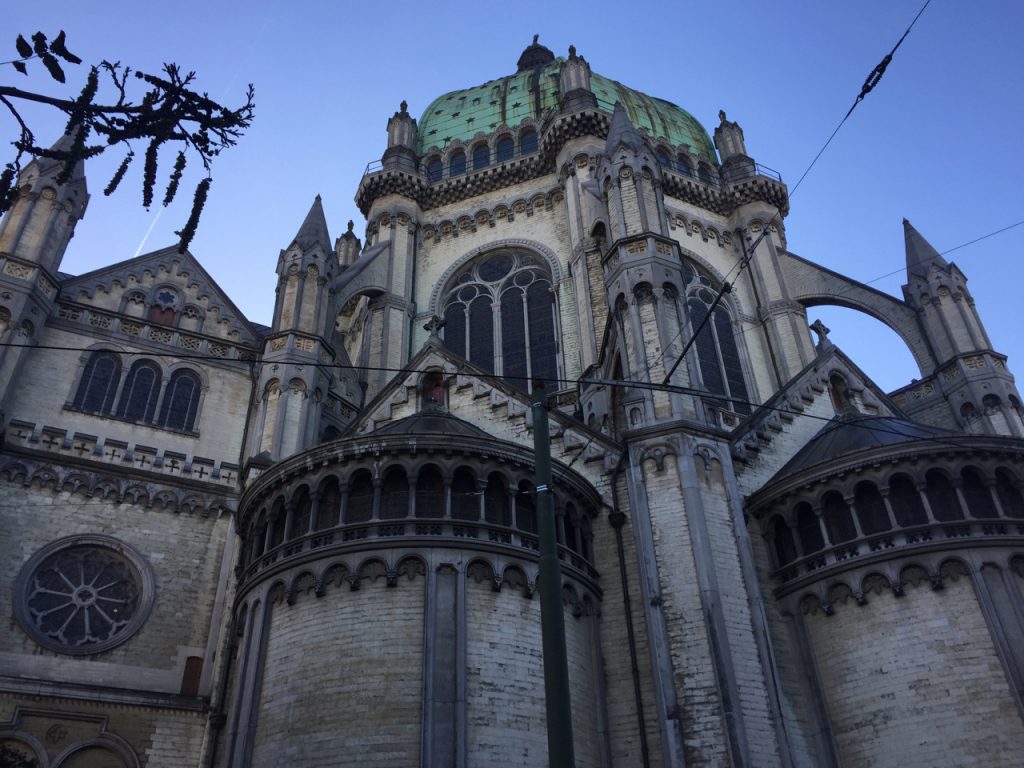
point(314, 229)
point(921, 255)
point(622, 131)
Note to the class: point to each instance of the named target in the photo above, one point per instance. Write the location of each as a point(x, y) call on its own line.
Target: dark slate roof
point(432, 423)
point(849, 434)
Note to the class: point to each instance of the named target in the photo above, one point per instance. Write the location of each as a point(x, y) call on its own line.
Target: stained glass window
point(181, 401)
point(140, 393)
point(84, 595)
point(99, 383)
point(500, 314)
point(718, 354)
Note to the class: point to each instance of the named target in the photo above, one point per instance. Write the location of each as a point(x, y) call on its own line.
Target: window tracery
point(500, 314)
point(718, 354)
point(142, 396)
point(84, 595)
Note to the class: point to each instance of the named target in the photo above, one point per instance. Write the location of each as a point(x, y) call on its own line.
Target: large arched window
point(140, 393)
point(99, 382)
point(181, 401)
point(717, 352)
point(500, 314)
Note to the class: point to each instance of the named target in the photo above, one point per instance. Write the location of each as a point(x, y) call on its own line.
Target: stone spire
point(314, 229)
point(621, 132)
point(46, 210)
point(920, 253)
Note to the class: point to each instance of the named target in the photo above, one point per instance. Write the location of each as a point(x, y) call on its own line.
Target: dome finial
point(535, 55)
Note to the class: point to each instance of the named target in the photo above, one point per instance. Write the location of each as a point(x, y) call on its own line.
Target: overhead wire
point(870, 83)
point(652, 386)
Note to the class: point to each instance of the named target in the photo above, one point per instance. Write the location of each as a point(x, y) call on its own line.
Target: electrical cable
point(652, 386)
point(869, 84)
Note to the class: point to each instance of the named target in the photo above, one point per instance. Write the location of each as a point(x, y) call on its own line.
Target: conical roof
point(848, 434)
point(314, 229)
point(920, 253)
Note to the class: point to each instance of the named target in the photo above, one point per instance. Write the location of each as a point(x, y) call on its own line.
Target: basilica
point(315, 542)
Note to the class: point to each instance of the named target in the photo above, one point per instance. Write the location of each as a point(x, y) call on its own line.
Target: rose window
point(84, 595)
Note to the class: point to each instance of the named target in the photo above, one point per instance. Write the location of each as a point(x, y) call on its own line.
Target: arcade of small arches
point(458, 159)
point(935, 571)
point(145, 393)
point(486, 503)
point(912, 506)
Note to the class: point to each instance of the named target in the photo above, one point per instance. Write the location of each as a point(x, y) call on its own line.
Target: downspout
point(617, 518)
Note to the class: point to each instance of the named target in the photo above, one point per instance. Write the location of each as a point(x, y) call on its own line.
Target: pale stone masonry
point(315, 542)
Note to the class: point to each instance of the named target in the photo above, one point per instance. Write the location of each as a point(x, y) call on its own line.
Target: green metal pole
point(552, 619)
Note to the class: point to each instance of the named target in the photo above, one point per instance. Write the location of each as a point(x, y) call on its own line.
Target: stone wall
point(915, 681)
point(342, 680)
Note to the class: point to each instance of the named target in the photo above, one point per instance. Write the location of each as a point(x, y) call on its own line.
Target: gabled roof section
point(166, 266)
point(478, 404)
point(314, 229)
point(921, 256)
point(798, 412)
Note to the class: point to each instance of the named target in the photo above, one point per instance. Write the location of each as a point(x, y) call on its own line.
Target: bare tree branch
point(169, 112)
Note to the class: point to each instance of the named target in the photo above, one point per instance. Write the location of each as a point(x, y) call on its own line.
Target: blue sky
point(937, 141)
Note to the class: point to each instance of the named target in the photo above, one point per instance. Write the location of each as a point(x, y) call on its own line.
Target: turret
point(643, 276)
point(292, 384)
point(34, 234)
point(574, 83)
point(972, 376)
point(401, 151)
point(732, 150)
point(304, 268)
point(43, 217)
point(346, 247)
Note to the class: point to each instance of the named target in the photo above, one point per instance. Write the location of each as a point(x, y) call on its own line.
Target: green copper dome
point(508, 101)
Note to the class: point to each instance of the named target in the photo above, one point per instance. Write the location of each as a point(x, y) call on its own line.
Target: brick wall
point(343, 680)
point(915, 681)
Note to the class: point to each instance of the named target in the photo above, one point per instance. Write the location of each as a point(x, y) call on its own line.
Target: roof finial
point(572, 51)
point(535, 39)
point(822, 330)
point(403, 106)
point(721, 115)
point(351, 225)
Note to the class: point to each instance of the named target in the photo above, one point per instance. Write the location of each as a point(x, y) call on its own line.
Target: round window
point(84, 594)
